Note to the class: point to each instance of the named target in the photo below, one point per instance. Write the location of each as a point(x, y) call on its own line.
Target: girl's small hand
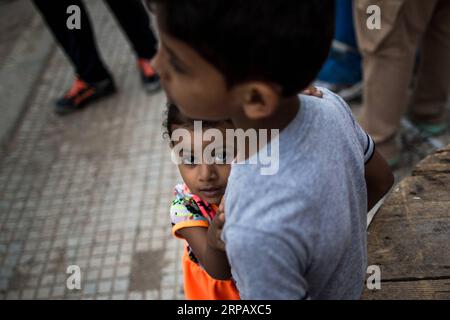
point(215, 232)
point(222, 205)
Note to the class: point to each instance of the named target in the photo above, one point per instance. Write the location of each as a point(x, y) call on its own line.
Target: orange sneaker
point(82, 93)
point(149, 78)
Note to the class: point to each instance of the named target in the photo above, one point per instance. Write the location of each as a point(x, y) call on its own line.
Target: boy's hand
point(312, 91)
point(215, 229)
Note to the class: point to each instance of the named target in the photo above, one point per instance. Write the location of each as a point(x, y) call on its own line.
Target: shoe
point(431, 129)
point(430, 125)
point(81, 93)
point(149, 78)
point(342, 72)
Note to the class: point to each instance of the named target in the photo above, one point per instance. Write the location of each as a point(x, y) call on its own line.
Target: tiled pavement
point(93, 189)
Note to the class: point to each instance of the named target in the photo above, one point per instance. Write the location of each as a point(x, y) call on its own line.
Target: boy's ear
point(259, 100)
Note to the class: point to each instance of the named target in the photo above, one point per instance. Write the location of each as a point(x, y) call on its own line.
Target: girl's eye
point(220, 157)
point(189, 160)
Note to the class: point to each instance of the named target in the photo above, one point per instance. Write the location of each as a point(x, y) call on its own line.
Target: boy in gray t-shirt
point(300, 232)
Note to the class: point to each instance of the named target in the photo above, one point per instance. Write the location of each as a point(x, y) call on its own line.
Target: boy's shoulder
point(330, 107)
point(325, 128)
point(320, 126)
point(329, 115)
point(321, 151)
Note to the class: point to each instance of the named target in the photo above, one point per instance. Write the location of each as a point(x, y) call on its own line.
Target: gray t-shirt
point(301, 233)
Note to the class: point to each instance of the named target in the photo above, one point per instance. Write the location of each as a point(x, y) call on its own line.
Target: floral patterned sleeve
point(184, 212)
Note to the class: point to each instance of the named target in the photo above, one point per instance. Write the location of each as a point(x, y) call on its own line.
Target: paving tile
point(135, 295)
point(121, 284)
point(58, 291)
point(43, 293)
point(90, 288)
point(119, 296)
point(13, 295)
point(107, 273)
point(28, 294)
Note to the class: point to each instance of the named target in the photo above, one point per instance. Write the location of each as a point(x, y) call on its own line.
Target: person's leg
point(93, 79)
point(388, 61)
point(78, 44)
point(134, 20)
point(433, 81)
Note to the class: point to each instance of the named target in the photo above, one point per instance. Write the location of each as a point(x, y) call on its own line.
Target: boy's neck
point(280, 119)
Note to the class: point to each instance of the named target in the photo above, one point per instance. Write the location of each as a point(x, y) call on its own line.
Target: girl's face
point(208, 181)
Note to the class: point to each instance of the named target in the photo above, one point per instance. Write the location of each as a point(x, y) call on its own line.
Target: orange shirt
point(188, 210)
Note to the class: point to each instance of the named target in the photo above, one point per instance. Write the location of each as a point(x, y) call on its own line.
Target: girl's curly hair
point(173, 116)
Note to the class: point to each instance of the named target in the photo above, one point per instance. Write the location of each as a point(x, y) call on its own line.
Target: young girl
point(196, 218)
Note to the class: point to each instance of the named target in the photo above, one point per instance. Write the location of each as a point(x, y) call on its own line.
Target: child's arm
point(379, 179)
point(208, 248)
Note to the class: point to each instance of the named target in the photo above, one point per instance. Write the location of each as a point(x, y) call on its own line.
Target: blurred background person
point(93, 80)
point(389, 55)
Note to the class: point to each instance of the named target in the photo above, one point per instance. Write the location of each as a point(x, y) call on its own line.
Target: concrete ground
point(93, 189)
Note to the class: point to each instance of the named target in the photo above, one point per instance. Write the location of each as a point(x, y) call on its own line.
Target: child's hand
point(312, 91)
point(215, 232)
point(222, 205)
point(215, 229)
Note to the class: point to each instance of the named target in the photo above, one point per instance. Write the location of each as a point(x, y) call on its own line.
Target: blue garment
point(343, 66)
point(344, 29)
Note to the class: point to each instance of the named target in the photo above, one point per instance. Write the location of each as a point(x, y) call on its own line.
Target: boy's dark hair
point(279, 41)
point(173, 116)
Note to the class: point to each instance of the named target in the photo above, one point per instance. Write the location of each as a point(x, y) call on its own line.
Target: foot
point(81, 93)
point(430, 128)
point(430, 125)
point(391, 151)
point(149, 78)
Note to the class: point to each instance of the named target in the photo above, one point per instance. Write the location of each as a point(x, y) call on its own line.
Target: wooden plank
point(414, 251)
point(426, 289)
point(438, 162)
point(433, 188)
point(410, 235)
point(409, 238)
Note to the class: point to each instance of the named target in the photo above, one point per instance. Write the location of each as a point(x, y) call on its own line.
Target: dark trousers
point(79, 44)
